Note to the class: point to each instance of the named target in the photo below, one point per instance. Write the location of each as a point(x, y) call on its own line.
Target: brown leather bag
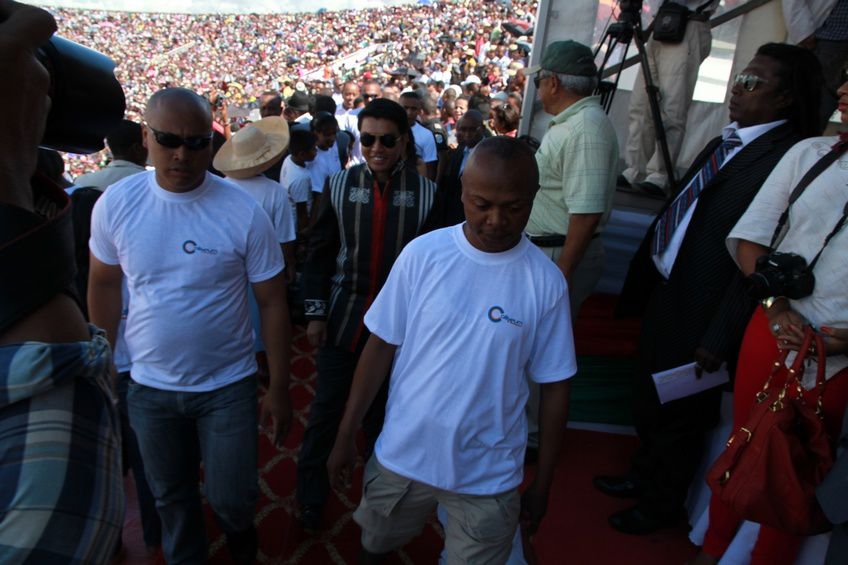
point(771, 466)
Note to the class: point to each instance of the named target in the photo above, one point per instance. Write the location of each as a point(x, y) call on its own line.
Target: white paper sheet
point(682, 381)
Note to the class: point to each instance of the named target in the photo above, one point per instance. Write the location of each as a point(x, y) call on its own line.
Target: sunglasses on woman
point(174, 141)
point(387, 140)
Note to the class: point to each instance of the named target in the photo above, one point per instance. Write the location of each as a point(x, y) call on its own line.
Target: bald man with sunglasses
point(189, 243)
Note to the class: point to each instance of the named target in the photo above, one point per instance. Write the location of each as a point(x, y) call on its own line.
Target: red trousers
point(756, 358)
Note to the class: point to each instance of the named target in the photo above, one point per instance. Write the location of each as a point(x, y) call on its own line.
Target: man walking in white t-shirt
point(189, 243)
point(473, 331)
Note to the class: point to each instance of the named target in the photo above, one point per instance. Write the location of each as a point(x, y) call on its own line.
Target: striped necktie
point(675, 213)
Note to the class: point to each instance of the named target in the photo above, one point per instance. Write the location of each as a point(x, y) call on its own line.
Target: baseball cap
point(566, 57)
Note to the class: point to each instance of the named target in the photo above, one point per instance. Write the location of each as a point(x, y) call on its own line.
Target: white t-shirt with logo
point(472, 328)
point(274, 201)
point(187, 258)
point(425, 143)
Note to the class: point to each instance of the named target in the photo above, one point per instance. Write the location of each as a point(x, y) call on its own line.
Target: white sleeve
point(552, 358)
point(804, 17)
point(263, 258)
point(102, 243)
point(387, 316)
point(428, 147)
point(283, 218)
point(300, 188)
point(759, 221)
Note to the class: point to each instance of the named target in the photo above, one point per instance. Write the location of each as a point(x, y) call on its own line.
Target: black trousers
point(672, 435)
point(335, 375)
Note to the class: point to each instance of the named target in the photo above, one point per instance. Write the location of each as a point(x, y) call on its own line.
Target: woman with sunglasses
point(779, 325)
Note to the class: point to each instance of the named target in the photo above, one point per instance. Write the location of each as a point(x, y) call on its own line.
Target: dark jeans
point(175, 429)
point(150, 523)
point(335, 374)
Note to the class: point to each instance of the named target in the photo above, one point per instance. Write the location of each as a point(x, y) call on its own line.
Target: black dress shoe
point(639, 522)
point(650, 189)
point(617, 486)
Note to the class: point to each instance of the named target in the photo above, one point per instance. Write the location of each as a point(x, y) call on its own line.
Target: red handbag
point(771, 466)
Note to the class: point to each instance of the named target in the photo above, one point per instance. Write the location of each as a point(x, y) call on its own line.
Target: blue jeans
point(150, 524)
point(175, 430)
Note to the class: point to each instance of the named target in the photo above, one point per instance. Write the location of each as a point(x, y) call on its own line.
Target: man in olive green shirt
point(578, 164)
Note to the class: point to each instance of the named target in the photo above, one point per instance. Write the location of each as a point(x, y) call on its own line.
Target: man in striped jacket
point(369, 213)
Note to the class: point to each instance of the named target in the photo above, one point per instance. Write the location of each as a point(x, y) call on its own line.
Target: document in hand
point(682, 381)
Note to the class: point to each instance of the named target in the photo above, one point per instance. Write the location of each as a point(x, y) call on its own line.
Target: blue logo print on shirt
point(496, 314)
point(191, 247)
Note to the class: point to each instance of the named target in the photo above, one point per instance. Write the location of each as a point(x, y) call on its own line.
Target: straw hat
point(254, 148)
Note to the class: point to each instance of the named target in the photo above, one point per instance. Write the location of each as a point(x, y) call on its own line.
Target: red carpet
point(575, 530)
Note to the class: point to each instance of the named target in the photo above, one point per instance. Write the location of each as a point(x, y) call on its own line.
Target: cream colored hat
point(253, 149)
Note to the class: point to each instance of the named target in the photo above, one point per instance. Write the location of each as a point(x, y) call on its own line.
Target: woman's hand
point(835, 340)
point(787, 326)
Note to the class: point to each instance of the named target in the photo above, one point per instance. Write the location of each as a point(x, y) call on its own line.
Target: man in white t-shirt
point(425, 142)
point(478, 311)
point(189, 243)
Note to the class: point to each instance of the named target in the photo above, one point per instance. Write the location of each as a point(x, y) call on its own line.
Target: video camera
point(87, 101)
point(629, 19)
point(630, 11)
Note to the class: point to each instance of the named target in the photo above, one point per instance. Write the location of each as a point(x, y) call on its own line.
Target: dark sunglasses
point(387, 140)
point(369, 96)
point(748, 82)
point(174, 141)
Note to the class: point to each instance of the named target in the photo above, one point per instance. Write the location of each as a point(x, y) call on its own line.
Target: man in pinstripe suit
point(369, 212)
point(689, 289)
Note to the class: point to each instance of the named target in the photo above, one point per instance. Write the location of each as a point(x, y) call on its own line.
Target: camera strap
point(830, 158)
point(833, 232)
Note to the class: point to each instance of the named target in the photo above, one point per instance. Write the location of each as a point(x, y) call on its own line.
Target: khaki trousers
point(674, 69)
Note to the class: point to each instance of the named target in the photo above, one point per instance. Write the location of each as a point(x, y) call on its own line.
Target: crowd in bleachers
point(241, 56)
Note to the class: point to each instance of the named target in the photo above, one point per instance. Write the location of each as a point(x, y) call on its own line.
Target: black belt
point(554, 240)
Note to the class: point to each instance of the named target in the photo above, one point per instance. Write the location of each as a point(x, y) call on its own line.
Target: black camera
point(86, 100)
point(781, 274)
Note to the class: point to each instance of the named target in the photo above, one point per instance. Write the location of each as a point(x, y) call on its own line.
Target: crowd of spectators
point(240, 56)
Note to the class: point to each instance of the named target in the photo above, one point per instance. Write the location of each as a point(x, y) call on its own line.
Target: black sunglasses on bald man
point(174, 141)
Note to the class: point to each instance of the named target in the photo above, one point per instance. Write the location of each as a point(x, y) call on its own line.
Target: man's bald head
point(509, 159)
point(178, 100)
point(499, 184)
point(177, 136)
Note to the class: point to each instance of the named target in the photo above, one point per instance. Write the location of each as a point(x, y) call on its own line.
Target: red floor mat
point(575, 530)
